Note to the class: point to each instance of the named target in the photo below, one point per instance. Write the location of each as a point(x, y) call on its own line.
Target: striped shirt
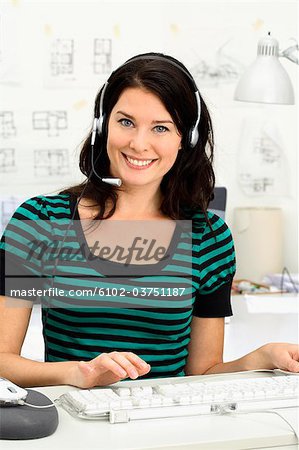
point(92, 305)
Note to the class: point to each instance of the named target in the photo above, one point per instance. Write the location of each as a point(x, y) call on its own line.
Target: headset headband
point(99, 121)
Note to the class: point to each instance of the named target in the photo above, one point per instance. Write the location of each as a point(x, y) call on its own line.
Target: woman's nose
point(140, 141)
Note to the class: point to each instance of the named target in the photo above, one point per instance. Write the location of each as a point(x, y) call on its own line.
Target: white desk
point(228, 432)
point(259, 319)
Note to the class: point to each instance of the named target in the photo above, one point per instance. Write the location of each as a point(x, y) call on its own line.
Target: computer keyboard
point(182, 397)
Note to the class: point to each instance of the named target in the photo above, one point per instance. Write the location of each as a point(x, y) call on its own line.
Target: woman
point(134, 273)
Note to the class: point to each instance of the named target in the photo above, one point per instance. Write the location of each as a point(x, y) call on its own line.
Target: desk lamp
point(266, 80)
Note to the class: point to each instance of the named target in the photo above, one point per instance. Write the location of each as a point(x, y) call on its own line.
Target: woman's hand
point(105, 369)
point(283, 356)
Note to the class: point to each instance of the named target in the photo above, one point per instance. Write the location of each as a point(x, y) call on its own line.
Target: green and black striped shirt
point(92, 305)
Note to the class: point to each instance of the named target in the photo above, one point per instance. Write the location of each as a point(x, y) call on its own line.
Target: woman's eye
point(125, 122)
point(161, 128)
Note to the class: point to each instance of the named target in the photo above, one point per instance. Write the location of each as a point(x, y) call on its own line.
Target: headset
point(98, 122)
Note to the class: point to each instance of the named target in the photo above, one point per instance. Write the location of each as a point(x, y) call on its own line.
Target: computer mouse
point(10, 393)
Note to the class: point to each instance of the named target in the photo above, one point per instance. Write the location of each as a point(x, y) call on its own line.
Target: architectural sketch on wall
point(62, 57)
point(262, 166)
point(1, 39)
point(8, 205)
point(102, 56)
point(78, 62)
point(51, 163)
point(7, 160)
point(10, 67)
point(224, 69)
point(267, 150)
point(7, 125)
point(256, 185)
point(52, 121)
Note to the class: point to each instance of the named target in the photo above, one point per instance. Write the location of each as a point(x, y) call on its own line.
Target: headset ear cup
point(100, 125)
point(193, 137)
point(189, 138)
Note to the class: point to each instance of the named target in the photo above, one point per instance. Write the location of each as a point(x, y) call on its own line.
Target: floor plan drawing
point(8, 205)
point(62, 57)
point(7, 160)
point(102, 56)
point(51, 163)
point(51, 121)
point(268, 151)
point(7, 125)
point(257, 185)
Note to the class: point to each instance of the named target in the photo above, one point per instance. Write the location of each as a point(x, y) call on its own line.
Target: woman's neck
point(138, 204)
point(134, 205)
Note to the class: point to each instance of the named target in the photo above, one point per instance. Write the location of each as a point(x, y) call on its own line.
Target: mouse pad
point(24, 422)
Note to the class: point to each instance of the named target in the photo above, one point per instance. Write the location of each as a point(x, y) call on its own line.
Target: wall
point(51, 56)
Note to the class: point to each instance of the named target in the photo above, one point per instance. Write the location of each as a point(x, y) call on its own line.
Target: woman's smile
point(138, 164)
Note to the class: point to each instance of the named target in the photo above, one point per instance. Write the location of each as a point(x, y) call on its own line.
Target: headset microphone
point(112, 181)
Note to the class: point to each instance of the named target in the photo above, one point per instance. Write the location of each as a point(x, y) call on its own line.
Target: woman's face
point(143, 141)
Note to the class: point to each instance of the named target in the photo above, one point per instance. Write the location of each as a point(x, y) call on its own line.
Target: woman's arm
point(206, 352)
point(14, 320)
point(270, 356)
point(105, 369)
point(205, 349)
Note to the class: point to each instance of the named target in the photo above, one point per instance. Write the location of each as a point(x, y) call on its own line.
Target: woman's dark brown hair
point(189, 184)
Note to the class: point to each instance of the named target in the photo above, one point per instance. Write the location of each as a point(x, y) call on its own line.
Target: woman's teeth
point(135, 162)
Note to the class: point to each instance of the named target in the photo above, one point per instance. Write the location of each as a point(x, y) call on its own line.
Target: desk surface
point(254, 430)
point(259, 319)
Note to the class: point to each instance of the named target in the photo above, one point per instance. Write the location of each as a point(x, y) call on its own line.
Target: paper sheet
point(273, 304)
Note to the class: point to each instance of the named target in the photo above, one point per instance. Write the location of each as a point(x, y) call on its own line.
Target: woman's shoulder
point(204, 220)
point(210, 229)
point(43, 207)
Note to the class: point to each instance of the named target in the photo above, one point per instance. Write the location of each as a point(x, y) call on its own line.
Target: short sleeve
point(215, 264)
point(21, 252)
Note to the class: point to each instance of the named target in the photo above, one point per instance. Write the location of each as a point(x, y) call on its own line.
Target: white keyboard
point(182, 397)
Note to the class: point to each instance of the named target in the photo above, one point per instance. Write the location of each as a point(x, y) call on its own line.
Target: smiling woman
point(114, 314)
point(141, 116)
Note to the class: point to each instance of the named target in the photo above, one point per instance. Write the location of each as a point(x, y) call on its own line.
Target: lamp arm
point(288, 53)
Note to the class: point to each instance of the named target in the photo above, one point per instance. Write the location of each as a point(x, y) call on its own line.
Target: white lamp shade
point(266, 80)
